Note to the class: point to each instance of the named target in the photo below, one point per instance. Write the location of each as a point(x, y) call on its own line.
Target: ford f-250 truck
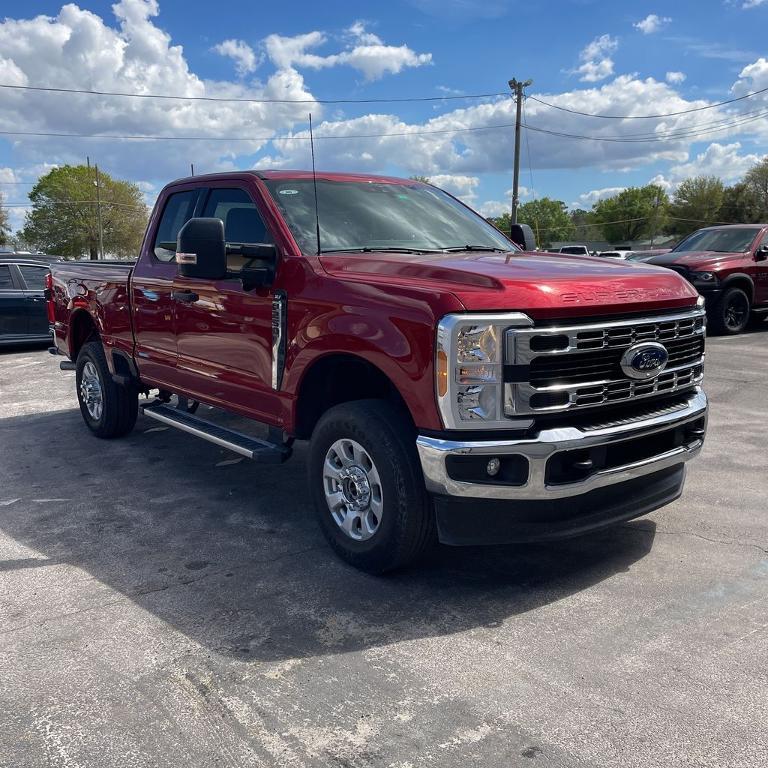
point(447, 381)
point(728, 265)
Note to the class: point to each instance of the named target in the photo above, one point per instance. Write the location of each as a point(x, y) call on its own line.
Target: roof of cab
point(735, 226)
point(291, 175)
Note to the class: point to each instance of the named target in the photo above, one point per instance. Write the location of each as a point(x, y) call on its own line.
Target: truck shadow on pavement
point(229, 553)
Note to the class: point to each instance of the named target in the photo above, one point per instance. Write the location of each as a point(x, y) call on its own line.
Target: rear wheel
point(367, 486)
point(731, 314)
point(108, 409)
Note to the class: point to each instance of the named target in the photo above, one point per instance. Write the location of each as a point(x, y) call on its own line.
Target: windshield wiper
point(459, 248)
point(379, 250)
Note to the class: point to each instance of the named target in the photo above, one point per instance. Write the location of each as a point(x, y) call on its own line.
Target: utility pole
point(517, 88)
point(98, 215)
point(655, 216)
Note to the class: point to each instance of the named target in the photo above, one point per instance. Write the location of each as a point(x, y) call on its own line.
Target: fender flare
point(739, 277)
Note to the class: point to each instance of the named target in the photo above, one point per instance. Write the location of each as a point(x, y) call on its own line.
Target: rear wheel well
point(81, 329)
point(340, 379)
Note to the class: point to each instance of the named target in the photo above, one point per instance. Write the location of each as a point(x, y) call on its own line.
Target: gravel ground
point(163, 603)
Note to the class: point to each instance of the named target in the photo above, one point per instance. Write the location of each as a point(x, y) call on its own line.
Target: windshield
point(373, 215)
point(735, 240)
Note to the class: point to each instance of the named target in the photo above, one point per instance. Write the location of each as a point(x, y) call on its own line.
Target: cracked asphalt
point(163, 603)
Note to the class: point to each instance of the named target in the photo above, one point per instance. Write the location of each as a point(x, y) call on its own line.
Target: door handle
point(186, 296)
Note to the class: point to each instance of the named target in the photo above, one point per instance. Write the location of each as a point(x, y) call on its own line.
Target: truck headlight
point(469, 368)
point(703, 277)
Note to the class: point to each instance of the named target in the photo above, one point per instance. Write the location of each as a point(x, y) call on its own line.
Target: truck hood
point(695, 260)
point(551, 286)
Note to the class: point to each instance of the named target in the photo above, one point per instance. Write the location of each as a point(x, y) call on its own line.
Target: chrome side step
point(251, 447)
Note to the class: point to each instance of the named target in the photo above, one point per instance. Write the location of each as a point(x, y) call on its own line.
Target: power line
point(254, 138)
point(242, 100)
point(672, 136)
point(392, 100)
point(650, 117)
point(629, 139)
point(76, 202)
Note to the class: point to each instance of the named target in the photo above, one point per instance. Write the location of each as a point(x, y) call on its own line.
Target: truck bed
point(99, 289)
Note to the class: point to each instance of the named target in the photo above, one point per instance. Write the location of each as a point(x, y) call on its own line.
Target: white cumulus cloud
point(365, 52)
point(245, 58)
point(596, 62)
point(675, 77)
point(78, 48)
point(588, 199)
point(429, 147)
point(652, 23)
point(722, 160)
point(461, 186)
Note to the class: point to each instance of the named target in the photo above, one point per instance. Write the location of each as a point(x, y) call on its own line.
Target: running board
point(250, 447)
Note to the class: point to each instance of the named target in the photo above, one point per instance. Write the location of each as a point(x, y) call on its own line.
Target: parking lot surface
point(163, 603)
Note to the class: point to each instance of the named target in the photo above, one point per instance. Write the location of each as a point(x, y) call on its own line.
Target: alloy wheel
point(353, 489)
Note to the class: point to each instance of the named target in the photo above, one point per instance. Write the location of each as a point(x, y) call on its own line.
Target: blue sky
point(597, 57)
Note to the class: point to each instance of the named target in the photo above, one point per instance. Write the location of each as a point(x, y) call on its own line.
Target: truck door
point(224, 337)
point(34, 285)
point(761, 271)
point(13, 304)
point(151, 286)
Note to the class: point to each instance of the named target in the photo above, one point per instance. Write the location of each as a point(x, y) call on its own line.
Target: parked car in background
point(574, 250)
point(728, 265)
point(23, 316)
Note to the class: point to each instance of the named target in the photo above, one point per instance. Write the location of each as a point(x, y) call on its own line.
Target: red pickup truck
point(447, 381)
point(728, 265)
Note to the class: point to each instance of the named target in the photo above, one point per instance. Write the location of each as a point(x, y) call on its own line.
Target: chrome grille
point(626, 335)
point(605, 363)
point(579, 366)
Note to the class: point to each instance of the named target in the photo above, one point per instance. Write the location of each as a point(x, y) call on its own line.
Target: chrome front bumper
point(539, 450)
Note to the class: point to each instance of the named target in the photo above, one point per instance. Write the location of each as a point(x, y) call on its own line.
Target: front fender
point(394, 333)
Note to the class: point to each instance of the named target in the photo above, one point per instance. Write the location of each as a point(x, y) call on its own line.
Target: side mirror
point(201, 251)
point(259, 266)
point(522, 235)
point(761, 254)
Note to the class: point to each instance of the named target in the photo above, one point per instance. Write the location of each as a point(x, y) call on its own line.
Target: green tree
point(425, 179)
point(696, 204)
point(5, 226)
point(756, 181)
point(583, 225)
point(64, 215)
point(741, 205)
point(547, 218)
point(633, 214)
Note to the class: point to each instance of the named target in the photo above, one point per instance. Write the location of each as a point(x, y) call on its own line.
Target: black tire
point(406, 526)
point(731, 314)
point(120, 405)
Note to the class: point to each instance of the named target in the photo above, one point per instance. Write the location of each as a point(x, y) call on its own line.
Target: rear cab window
point(34, 277)
point(6, 278)
point(179, 209)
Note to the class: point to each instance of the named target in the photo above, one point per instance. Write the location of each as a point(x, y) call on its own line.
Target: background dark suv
point(23, 315)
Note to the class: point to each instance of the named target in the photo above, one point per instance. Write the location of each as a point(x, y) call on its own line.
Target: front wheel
point(366, 482)
point(108, 409)
point(731, 314)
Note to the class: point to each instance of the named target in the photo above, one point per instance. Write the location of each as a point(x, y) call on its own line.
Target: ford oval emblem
point(645, 360)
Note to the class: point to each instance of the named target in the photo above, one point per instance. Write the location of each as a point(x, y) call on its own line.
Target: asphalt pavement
point(164, 603)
